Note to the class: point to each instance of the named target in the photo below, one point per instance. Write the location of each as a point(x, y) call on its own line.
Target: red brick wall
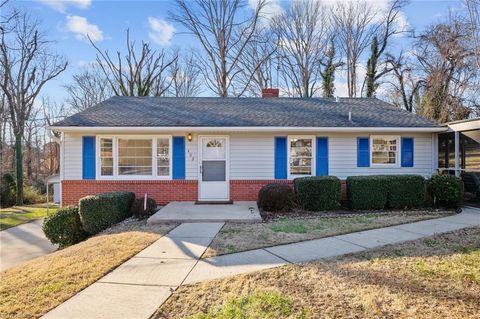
point(247, 190)
point(164, 191)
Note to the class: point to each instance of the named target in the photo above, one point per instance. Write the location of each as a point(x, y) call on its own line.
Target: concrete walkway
point(23, 242)
point(189, 212)
point(139, 286)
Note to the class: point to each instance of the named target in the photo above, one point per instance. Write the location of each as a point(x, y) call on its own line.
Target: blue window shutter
point(88, 157)
point(363, 152)
point(178, 157)
point(407, 152)
point(280, 157)
point(322, 156)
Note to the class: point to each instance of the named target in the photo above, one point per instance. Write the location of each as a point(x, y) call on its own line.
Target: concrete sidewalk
point(139, 286)
point(23, 242)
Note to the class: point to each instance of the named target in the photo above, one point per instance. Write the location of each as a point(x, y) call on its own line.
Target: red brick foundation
point(247, 190)
point(164, 191)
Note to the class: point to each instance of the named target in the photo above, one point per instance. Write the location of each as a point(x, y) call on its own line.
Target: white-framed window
point(134, 157)
point(106, 157)
point(300, 155)
point(163, 156)
point(385, 150)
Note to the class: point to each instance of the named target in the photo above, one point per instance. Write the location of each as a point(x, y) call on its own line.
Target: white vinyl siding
point(252, 155)
point(191, 158)
point(343, 157)
point(72, 169)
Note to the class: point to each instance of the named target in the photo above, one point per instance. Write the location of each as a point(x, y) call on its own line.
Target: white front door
point(213, 168)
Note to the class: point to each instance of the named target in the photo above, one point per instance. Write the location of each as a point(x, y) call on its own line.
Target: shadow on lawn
point(415, 268)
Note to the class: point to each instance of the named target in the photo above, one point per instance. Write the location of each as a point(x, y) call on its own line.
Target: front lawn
point(17, 215)
point(235, 237)
point(434, 277)
point(31, 289)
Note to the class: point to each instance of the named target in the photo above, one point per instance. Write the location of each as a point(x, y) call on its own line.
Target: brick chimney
point(270, 92)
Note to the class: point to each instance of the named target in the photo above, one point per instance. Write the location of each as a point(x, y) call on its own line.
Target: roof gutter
point(143, 129)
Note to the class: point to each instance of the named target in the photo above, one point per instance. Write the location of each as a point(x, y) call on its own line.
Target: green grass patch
point(297, 227)
point(463, 267)
point(16, 215)
point(263, 304)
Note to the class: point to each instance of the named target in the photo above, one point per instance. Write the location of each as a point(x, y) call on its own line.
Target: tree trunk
point(19, 164)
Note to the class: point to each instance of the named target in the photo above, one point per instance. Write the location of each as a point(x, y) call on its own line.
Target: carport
point(459, 152)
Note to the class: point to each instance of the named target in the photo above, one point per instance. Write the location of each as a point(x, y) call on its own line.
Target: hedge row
point(385, 191)
point(311, 193)
point(73, 224)
point(98, 212)
point(318, 193)
point(363, 192)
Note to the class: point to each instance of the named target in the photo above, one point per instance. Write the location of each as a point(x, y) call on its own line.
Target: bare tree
point(446, 63)
point(89, 87)
point(141, 73)
point(303, 37)
point(473, 8)
point(185, 77)
point(26, 66)
point(355, 24)
point(52, 112)
point(259, 56)
point(406, 87)
point(224, 30)
point(376, 67)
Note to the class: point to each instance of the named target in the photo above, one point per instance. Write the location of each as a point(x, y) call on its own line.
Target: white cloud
point(61, 5)
point(271, 9)
point(161, 32)
point(82, 28)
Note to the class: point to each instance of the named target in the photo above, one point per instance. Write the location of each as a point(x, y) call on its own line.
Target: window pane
point(163, 157)
point(301, 156)
point(106, 156)
point(134, 157)
point(384, 150)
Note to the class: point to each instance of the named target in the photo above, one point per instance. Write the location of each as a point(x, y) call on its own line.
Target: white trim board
point(152, 130)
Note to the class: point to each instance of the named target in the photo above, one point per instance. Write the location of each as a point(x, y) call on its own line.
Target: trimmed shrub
point(137, 210)
point(101, 211)
point(64, 227)
point(276, 198)
point(405, 191)
point(386, 191)
point(367, 192)
point(446, 190)
point(318, 193)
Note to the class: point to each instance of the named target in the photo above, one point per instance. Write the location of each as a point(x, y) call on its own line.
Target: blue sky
point(66, 22)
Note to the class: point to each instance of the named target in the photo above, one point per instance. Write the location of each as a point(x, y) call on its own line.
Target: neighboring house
point(221, 149)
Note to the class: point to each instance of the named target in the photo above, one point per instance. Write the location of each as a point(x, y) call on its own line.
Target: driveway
point(21, 243)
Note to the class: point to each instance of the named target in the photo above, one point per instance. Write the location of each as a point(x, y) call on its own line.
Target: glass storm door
point(214, 184)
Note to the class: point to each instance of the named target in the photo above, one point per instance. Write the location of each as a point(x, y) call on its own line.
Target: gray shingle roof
point(237, 112)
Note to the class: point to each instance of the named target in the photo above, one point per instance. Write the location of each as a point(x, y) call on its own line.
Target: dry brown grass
point(436, 277)
point(235, 237)
point(33, 288)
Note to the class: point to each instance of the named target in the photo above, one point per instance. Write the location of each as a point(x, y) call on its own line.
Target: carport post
point(457, 153)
